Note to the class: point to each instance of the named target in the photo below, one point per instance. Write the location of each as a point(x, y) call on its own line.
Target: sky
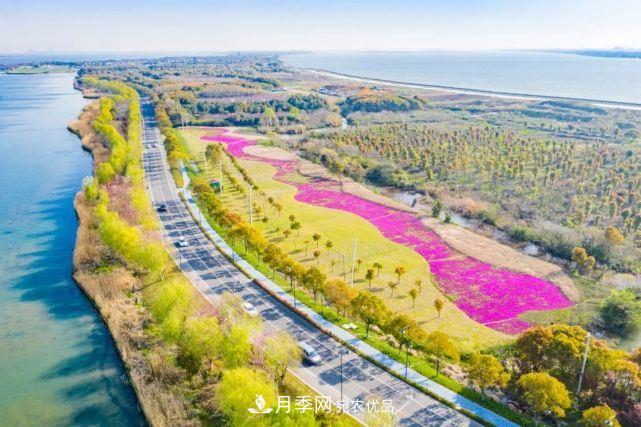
point(340, 25)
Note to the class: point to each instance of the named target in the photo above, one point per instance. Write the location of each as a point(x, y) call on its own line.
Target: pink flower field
point(492, 296)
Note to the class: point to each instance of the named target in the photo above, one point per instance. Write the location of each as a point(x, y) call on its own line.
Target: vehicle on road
point(182, 243)
point(309, 354)
point(250, 309)
point(161, 207)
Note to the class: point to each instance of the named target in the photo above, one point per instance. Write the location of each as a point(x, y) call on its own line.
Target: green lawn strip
point(419, 365)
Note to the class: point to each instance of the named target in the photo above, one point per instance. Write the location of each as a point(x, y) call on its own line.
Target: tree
point(313, 279)
point(621, 312)
point(378, 266)
point(316, 237)
point(236, 346)
point(438, 305)
point(598, 416)
point(440, 345)
point(580, 256)
point(436, 209)
point(281, 352)
point(485, 371)
point(413, 293)
point(238, 391)
point(399, 271)
point(369, 309)
point(287, 232)
point(542, 392)
point(369, 276)
point(402, 327)
point(295, 226)
point(419, 285)
point(339, 294)
point(306, 242)
point(613, 236)
point(328, 245)
point(200, 341)
point(392, 287)
point(317, 256)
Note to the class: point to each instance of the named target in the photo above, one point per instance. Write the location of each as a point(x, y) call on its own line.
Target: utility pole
point(585, 359)
point(250, 206)
point(353, 262)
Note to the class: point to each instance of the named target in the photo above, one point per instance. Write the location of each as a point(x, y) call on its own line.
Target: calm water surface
point(534, 73)
point(58, 365)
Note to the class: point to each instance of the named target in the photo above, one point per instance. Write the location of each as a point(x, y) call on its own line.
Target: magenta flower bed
point(492, 296)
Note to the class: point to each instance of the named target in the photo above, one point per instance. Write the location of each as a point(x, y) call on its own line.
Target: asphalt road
point(212, 274)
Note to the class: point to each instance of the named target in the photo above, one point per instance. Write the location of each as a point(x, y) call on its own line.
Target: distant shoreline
point(467, 91)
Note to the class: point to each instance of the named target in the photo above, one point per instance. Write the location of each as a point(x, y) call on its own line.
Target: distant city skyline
point(199, 26)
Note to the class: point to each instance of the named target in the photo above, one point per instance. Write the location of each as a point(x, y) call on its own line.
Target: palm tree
point(438, 305)
point(316, 238)
point(358, 264)
point(286, 233)
point(392, 286)
point(369, 276)
point(419, 285)
point(328, 245)
point(413, 293)
point(316, 256)
point(399, 271)
point(378, 266)
point(306, 246)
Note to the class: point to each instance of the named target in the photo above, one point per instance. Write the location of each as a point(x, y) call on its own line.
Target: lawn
point(341, 228)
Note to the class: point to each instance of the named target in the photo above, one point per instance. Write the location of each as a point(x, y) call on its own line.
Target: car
point(309, 354)
point(250, 309)
point(182, 243)
point(161, 207)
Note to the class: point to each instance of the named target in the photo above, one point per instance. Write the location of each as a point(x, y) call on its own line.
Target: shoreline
point(479, 92)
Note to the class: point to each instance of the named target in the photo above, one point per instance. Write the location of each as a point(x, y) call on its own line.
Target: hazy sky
point(200, 25)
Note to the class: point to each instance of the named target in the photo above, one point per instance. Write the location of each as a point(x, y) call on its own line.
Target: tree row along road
point(212, 274)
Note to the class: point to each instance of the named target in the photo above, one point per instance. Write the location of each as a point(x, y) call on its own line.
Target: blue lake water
point(535, 73)
point(58, 365)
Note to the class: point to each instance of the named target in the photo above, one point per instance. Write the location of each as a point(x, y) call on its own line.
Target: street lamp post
point(342, 352)
point(408, 347)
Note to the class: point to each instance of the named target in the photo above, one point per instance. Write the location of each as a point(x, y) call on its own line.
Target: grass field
point(341, 228)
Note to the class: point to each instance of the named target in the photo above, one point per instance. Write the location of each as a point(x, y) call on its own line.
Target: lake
point(58, 364)
point(530, 73)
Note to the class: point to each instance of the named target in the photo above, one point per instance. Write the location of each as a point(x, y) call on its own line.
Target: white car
point(182, 243)
point(250, 309)
point(309, 354)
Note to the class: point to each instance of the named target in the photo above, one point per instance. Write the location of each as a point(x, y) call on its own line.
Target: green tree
point(485, 371)
point(440, 345)
point(378, 266)
point(621, 312)
point(369, 276)
point(413, 293)
point(392, 287)
point(598, 416)
point(438, 305)
point(399, 271)
point(369, 309)
point(238, 391)
point(313, 279)
point(236, 346)
point(339, 294)
point(281, 352)
point(316, 237)
point(200, 343)
point(542, 392)
point(580, 256)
